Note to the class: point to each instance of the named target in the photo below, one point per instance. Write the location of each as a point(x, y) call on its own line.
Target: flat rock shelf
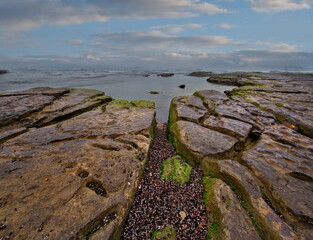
point(70, 162)
point(159, 203)
point(76, 164)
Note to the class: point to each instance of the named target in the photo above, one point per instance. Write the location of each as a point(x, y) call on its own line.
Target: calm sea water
point(130, 85)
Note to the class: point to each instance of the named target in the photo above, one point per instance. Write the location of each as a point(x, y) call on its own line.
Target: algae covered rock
point(200, 74)
point(229, 220)
point(175, 169)
point(167, 233)
point(166, 75)
point(256, 156)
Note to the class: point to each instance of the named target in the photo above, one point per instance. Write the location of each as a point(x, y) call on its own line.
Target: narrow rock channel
point(159, 203)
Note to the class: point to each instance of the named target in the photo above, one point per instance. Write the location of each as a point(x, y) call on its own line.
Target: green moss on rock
point(176, 169)
point(120, 103)
point(252, 83)
point(282, 105)
point(168, 233)
point(123, 103)
point(166, 74)
point(214, 227)
point(200, 74)
point(143, 104)
point(239, 92)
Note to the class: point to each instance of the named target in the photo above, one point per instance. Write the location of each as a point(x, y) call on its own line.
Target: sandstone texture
point(70, 162)
point(255, 146)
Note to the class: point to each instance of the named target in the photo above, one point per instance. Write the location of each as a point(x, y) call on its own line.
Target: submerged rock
point(200, 74)
point(72, 170)
point(166, 75)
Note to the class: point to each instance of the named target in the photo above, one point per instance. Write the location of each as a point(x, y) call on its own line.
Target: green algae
point(123, 103)
point(252, 83)
point(282, 105)
point(200, 74)
point(214, 227)
point(176, 169)
point(143, 104)
point(167, 233)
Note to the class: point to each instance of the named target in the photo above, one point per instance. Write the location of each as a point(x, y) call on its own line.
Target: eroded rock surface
point(74, 175)
point(270, 165)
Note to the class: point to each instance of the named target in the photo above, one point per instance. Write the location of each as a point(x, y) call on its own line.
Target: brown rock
point(212, 98)
point(270, 224)
point(75, 179)
point(281, 161)
point(198, 142)
point(187, 108)
point(237, 129)
point(235, 222)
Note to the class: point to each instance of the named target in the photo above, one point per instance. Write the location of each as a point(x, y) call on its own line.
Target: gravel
point(162, 202)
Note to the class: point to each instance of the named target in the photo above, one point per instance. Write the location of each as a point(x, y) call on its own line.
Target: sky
point(222, 35)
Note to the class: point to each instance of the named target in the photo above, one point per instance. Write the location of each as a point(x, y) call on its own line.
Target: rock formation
point(256, 150)
point(70, 162)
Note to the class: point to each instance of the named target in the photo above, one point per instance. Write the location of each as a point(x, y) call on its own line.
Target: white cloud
point(15, 39)
point(225, 26)
point(77, 41)
point(24, 14)
point(278, 47)
point(244, 60)
point(158, 41)
point(280, 5)
point(176, 28)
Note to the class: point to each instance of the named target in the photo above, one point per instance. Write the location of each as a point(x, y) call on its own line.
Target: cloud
point(243, 60)
point(280, 5)
point(13, 39)
point(158, 41)
point(225, 26)
point(278, 47)
point(25, 14)
point(176, 28)
point(77, 41)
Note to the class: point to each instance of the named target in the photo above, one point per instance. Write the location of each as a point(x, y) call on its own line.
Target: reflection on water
point(130, 85)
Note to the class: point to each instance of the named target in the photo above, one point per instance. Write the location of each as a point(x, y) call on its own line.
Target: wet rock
point(270, 170)
point(239, 130)
point(75, 179)
point(281, 161)
point(44, 106)
point(187, 108)
point(200, 74)
point(166, 75)
point(229, 220)
point(56, 92)
point(212, 98)
point(198, 142)
point(13, 108)
point(269, 224)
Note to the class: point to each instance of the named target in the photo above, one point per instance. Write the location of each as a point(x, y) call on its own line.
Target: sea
point(129, 85)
